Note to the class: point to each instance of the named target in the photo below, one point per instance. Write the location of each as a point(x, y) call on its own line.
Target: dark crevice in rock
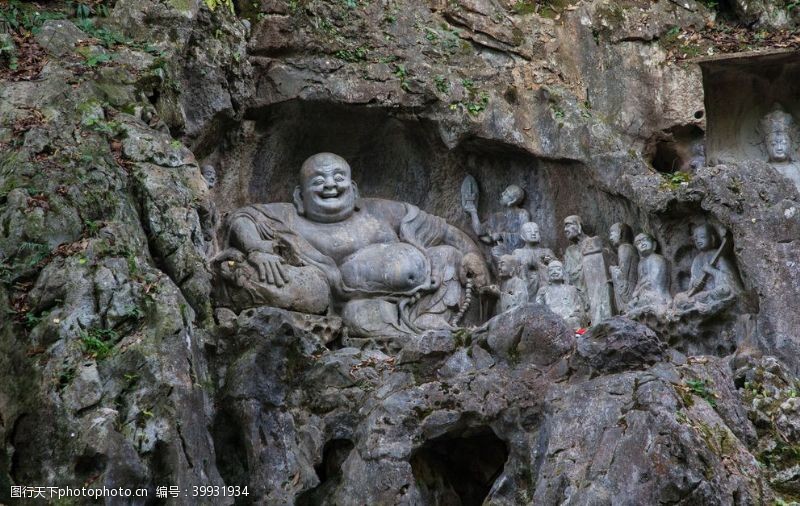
point(230, 449)
point(88, 466)
point(459, 469)
point(329, 472)
point(183, 447)
point(677, 149)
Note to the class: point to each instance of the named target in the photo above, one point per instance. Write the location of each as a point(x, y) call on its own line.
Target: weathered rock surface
point(114, 371)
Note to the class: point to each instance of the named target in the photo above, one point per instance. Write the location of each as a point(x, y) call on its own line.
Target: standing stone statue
point(532, 258)
point(714, 280)
point(625, 273)
point(779, 130)
point(562, 299)
point(501, 229)
point(586, 268)
point(207, 212)
point(573, 258)
point(652, 288)
point(513, 290)
point(386, 267)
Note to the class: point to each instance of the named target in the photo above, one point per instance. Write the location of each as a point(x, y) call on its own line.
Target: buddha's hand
point(473, 267)
point(270, 268)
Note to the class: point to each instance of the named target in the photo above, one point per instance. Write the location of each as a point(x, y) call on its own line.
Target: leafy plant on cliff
point(98, 343)
point(353, 55)
point(700, 388)
point(674, 180)
point(213, 4)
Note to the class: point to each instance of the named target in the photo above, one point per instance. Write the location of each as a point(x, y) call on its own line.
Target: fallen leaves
point(718, 38)
point(29, 59)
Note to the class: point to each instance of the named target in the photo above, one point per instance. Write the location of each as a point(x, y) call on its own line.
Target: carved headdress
point(777, 121)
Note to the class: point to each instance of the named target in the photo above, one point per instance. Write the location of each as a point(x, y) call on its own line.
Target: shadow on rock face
point(459, 469)
point(329, 472)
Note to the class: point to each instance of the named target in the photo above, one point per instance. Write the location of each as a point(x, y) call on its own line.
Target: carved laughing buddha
point(389, 267)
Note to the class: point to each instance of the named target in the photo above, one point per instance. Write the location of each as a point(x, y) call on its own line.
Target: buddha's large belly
point(394, 267)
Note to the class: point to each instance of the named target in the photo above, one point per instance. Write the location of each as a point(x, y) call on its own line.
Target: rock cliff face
point(116, 370)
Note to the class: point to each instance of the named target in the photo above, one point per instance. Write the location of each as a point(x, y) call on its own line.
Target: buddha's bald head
point(573, 228)
point(326, 192)
point(322, 161)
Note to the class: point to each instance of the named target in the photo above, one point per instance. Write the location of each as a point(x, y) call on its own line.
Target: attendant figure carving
point(533, 258)
point(386, 267)
point(513, 289)
point(714, 279)
point(573, 258)
point(502, 229)
point(652, 288)
point(587, 269)
point(563, 299)
point(207, 212)
point(625, 273)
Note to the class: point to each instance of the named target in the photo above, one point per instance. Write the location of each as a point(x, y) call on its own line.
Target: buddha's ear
point(298, 200)
point(356, 195)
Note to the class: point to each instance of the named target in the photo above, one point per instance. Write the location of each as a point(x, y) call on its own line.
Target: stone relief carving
point(586, 269)
point(502, 229)
point(533, 258)
point(779, 132)
point(386, 267)
point(563, 299)
point(513, 289)
point(714, 282)
point(651, 293)
point(625, 274)
point(207, 212)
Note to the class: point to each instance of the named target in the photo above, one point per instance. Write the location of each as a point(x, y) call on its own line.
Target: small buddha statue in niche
point(779, 133)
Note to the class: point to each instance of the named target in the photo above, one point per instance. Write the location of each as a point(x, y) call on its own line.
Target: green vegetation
point(462, 337)
point(24, 17)
point(214, 4)
point(543, 8)
point(97, 59)
point(700, 388)
point(98, 343)
point(477, 100)
point(781, 455)
point(401, 73)
point(441, 84)
point(29, 255)
point(353, 55)
point(674, 180)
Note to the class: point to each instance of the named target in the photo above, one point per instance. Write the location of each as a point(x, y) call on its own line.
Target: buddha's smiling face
point(326, 187)
point(555, 272)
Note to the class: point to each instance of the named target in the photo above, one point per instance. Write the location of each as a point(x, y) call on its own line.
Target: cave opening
point(677, 149)
point(329, 472)
point(459, 468)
